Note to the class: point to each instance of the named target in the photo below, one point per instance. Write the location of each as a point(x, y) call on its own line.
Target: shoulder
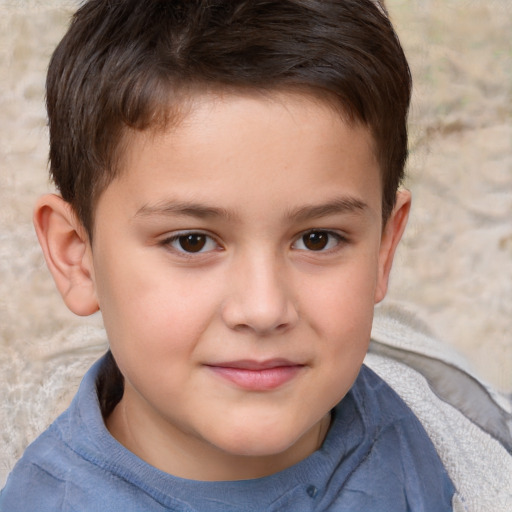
point(468, 423)
point(385, 444)
point(39, 479)
point(52, 473)
point(77, 465)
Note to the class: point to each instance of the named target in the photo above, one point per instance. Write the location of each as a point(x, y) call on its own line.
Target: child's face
point(236, 262)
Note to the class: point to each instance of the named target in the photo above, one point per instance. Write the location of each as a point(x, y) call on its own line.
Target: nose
point(259, 298)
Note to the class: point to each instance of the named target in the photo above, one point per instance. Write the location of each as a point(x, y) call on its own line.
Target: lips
point(257, 375)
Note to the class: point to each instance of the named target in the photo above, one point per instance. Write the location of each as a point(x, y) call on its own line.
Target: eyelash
point(170, 241)
point(338, 238)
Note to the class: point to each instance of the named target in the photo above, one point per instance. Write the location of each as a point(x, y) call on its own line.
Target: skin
point(286, 260)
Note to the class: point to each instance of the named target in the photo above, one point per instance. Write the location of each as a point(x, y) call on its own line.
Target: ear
point(67, 252)
point(392, 233)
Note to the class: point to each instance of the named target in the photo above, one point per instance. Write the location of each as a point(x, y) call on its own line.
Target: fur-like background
point(454, 266)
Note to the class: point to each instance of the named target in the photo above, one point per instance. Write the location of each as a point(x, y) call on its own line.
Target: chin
point(265, 442)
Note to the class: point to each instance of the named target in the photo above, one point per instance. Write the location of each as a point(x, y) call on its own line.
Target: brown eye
point(316, 240)
point(193, 242)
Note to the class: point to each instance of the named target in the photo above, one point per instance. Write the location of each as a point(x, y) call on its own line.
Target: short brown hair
point(126, 63)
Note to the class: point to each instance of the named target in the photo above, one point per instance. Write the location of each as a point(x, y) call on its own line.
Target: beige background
point(454, 267)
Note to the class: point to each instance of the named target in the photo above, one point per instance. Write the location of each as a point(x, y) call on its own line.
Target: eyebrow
point(340, 205)
point(183, 208)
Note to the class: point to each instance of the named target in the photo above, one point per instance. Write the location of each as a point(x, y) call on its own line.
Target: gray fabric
point(459, 389)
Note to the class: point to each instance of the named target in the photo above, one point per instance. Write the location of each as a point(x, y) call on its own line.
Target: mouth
point(257, 375)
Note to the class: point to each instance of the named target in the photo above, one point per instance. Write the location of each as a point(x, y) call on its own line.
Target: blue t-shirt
point(376, 458)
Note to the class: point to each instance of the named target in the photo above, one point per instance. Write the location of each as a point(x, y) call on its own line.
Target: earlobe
point(67, 253)
point(391, 236)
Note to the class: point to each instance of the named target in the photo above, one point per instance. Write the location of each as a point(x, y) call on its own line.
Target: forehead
point(270, 142)
point(184, 113)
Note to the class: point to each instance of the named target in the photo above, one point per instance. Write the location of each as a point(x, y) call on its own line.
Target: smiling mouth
point(257, 376)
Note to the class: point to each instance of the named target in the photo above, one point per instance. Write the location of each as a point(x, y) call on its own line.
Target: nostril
point(243, 318)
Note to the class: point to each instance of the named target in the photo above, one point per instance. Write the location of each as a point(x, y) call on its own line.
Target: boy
point(228, 175)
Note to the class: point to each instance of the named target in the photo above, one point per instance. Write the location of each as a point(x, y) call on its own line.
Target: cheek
point(343, 301)
point(149, 312)
point(346, 315)
point(341, 314)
